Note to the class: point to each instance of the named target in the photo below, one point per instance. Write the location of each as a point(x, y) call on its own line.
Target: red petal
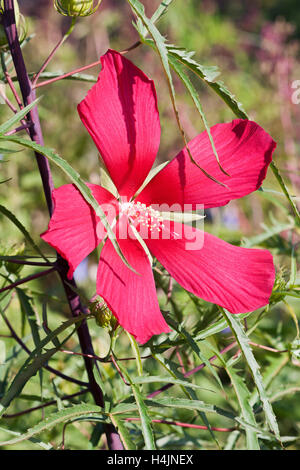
point(74, 229)
point(131, 297)
point(238, 279)
point(120, 112)
point(245, 152)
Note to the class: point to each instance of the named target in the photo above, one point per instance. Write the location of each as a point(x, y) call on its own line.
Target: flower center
point(143, 216)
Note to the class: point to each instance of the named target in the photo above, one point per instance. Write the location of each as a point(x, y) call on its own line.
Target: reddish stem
point(44, 405)
point(28, 278)
point(185, 425)
point(61, 77)
point(193, 371)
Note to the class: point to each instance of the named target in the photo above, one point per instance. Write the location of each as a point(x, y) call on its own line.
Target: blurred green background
point(256, 45)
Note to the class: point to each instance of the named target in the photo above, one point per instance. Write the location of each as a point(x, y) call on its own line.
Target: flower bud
point(76, 8)
point(20, 23)
point(103, 315)
point(15, 251)
point(279, 288)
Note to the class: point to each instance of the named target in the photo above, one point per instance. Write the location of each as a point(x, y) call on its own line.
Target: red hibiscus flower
point(120, 113)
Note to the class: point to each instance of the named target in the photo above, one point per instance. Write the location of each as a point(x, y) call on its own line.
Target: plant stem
point(49, 58)
point(48, 368)
point(28, 94)
point(44, 405)
point(184, 425)
point(27, 279)
point(193, 371)
point(68, 74)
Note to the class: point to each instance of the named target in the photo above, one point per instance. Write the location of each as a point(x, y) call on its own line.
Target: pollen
point(141, 215)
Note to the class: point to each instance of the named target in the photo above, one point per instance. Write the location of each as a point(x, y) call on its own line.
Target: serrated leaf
point(243, 396)
point(34, 362)
point(188, 404)
point(56, 418)
point(2, 353)
point(161, 48)
point(154, 379)
point(145, 419)
point(18, 116)
point(195, 97)
point(22, 229)
point(243, 342)
point(189, 340)
point(123, 432)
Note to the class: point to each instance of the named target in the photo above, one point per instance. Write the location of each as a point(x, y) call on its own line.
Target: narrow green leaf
point(79, 183)
point(154, 379)
point(56, 418)
point(22, 229)
point(285, 191)
point(18, 116)
point(243, 341)
point(195, 97)
point(161, 48)
point(243, 396)
point(189, 340)
point(187, 404)
point(35, 361)
point(145, 419)
point(123, 432)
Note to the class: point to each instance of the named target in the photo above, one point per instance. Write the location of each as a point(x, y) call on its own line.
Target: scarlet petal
point(120, 112)
point(245, 152)
point(74, 229)
point(131, 297)
point(238, 279)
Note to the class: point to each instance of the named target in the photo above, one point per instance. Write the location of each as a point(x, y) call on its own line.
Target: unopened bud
point(279, 288)
point(76, 8)
point(14, 251)
point(103, 315)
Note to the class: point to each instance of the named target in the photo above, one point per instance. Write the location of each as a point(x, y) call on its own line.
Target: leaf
point(82, 77)
point(145, 420)
point(190, 405)
point(189, 340)
point(29, 313)
point(161, 10)
point(243, 396)
point(182, 217)
point(161, 48)
point(275, 229)
point(142, 409)
point(22, 229)
point(18, 116)
point(243, 342)
point(2, 353)
point(208, 75)
point(153, 379)
point(34, 362)
point(106, 181)
point(79, 183)
point(285, 191)
point(123, 432)
point(56, 418)
point(150, 176)
point(195, 97)
point(7, 151)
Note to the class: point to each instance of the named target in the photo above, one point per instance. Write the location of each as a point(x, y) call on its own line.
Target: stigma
point(142, 216)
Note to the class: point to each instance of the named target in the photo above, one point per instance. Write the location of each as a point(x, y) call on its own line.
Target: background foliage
point(255, 45)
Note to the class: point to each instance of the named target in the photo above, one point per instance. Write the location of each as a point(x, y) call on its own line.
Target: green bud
point(15, 250)
point(104, 317)
point(20, 23)
point(76, 8)
point(279, 287)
